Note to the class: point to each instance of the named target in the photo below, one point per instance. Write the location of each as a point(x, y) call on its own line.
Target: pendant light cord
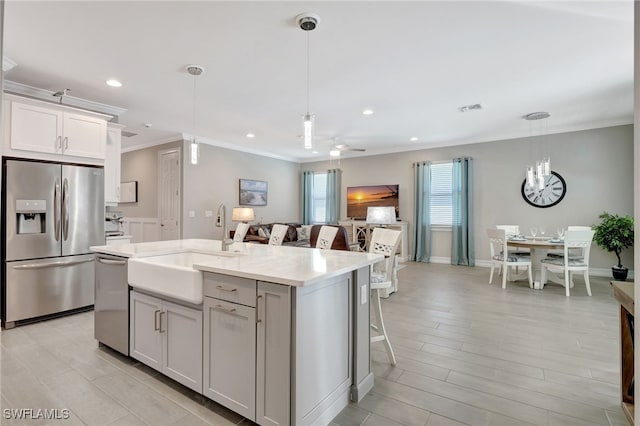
point(194, 110)
point(308, 72)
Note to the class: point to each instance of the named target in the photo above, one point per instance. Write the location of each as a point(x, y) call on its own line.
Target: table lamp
point(381, 215)
point(242, 214)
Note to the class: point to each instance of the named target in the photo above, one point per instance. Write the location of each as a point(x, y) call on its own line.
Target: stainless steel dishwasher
point(112, 302)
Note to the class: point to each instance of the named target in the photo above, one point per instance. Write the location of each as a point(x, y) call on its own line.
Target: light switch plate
point(208, 213)
point(192, 213)
point(363, 294)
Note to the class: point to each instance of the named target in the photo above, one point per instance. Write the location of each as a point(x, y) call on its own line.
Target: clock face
point(553, 192)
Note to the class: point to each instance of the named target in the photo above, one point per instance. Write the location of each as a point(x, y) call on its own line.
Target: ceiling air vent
point(128, 134)
point(468, 108)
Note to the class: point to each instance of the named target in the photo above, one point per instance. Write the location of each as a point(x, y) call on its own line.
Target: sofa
point(295, 235)
point(260, 234)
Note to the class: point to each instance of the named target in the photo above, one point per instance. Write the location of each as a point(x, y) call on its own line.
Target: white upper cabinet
point(83, 136)
point(112, 160)
point(35, 128)
point(54, 130)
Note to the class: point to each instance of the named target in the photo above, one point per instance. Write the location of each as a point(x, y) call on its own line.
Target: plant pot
point(619, 274)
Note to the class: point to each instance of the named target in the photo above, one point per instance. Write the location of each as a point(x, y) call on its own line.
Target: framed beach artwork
point(253, 192)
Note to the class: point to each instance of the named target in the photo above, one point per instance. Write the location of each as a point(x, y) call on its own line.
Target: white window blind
point(319, 198)
point(441, 194)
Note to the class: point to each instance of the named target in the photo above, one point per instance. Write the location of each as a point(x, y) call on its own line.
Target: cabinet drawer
point(231, 289)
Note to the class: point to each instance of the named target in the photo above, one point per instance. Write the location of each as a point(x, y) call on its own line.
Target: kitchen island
point(278, 334)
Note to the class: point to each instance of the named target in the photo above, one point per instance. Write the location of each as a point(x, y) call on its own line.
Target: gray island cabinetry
point(279, 335)
point(167, 337)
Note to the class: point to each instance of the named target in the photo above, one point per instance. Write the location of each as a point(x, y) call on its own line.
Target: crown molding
point(47, 96)
point(145, 145)
point(227, 145)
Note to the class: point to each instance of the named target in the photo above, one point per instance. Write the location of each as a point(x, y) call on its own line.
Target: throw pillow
point(304, 232)
point(262, 233)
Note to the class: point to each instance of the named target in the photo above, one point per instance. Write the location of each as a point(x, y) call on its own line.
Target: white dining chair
point(241, 232)
point(573, 239)
point(326, 236)
point(514, 231)
point(278, 233)
point(510, 230)
point(572, 253)
point(498, 249)
point(383, 241)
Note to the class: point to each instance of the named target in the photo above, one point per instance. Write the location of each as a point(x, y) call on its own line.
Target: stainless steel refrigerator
point(52, 214)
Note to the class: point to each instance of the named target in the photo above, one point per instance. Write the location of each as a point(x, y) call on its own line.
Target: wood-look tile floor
point(468, 353)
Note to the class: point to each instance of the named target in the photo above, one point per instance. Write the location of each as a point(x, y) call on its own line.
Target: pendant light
point(536, 176)
point(308, 22)
point(194, 70)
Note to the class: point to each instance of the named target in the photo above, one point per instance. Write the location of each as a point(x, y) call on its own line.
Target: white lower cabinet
point(247, 343)
point(167, 337)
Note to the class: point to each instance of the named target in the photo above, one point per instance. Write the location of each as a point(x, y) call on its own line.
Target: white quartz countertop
point(295, 266)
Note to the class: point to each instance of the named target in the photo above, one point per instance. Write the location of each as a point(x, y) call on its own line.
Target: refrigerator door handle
point(52, 264)
point(65, 209)
point(56, 218)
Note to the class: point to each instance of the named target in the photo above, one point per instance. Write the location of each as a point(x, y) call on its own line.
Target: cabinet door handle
point(58, 143)
point(258, 309)
point(165, 329)
point(156, 327)
point(222, 308)
point(219, 287)
point(66, 143)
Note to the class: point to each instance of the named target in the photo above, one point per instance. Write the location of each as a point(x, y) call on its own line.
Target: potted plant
point(615, 233)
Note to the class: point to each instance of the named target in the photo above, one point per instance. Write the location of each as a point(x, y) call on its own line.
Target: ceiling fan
point(338, 148)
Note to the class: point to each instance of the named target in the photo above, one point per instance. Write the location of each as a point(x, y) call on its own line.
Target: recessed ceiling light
point(251, 135)
point(314, 152)
point(114, 83)
point(148, 125)
point(334, 153)
point(472, 107)
point(414, 139)
point(367, 112)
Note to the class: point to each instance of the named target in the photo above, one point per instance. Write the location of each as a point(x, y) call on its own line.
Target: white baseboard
point(596, 272)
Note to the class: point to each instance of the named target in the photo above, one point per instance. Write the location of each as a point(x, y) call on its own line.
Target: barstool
point(383, 241)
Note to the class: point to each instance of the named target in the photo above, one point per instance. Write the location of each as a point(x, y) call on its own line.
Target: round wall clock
point(553, 192)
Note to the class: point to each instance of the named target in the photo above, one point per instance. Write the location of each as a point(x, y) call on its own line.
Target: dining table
point(538, 246)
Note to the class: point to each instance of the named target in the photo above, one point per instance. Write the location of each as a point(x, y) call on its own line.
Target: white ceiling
point(413, 63)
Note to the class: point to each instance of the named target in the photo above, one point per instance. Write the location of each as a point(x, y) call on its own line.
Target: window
point(319, 198)
point(441, 194)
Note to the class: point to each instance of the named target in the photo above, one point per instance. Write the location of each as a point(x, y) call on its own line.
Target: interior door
point(169, 194)
point(82, 209)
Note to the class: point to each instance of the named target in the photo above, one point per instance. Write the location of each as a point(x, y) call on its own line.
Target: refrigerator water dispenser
point(31, 216)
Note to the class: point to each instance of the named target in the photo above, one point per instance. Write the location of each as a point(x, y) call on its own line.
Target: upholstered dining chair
point(502, 259)
point(326, 236)
point(573, 239)
point(241, 232)
point(278, 233)
point(383, 241)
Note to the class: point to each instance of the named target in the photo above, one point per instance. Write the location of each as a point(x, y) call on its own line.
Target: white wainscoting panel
point(141, 229)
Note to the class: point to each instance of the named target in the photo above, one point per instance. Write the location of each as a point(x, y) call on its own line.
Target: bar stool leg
point(380, 328)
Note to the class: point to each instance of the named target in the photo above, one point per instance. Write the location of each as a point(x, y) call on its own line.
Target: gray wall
point(142, 166)
point(596, 164)
point(214, 181)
